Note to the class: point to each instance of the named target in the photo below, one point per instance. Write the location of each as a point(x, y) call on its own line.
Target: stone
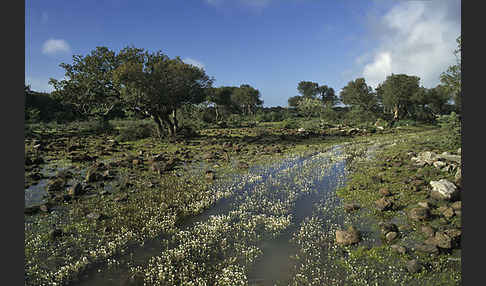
point(439, 164)
point(210, 175)
point(458, 176)
point(384, 204)
point(419, 214)
point(347, 237)
point(427, 230)
point(391, 236)
point(384, 192)
point(443, 240)
point(398, 248)
point(243, 165)
point(450, 157)
point(351, 207)
point(387, 227)
point(427, 248)
point(448, 212)
point(424, 205)
point(457, 206)
point(413, 266)
point(443, 189)
point(424, 158)
point(76, 190)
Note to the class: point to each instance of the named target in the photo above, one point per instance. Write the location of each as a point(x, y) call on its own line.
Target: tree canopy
point(451, 79)
point(358, 94)
point(397, 92)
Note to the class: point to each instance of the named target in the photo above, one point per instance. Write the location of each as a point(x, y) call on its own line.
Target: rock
point(384, 192)
point(448, 212)
point(351, 207)
point(123, 197)
point(457, 206)
point(94, 216)
point(425, 158)
point(439, 164)
point(76, 190)
point(210, 175)
point(427, 248)
point(458, 177)
point(93, 175)
point(55, 185)
point(347, 237)
point(443, 240)
point(450, 157)
point(391, 236)
point(418, 214)
point(387, 227)
point(243, 165)
point(413, 266)
point(428, 230)
point(384, 204)
point(398, 248)
point(424, 205)
point(443, 189)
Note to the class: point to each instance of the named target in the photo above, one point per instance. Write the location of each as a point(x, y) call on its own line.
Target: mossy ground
point(156, 203)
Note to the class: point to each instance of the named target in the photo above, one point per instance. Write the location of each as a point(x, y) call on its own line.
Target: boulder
point(387, 227)
point(347, 237)
point(425, 158)
point(443, 240)
point(398, 248)
point(419, 214)
point(391, 236)
point(351, 207)
point(428, 230)
point(449, 157)
point(384, 204)
point(443, 189)
point(413, 266)
point(427, 248)
point(456, 206)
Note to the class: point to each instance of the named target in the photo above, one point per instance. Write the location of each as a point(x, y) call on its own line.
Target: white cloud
point(193, 62)
point(417, 38)
point(54, 46)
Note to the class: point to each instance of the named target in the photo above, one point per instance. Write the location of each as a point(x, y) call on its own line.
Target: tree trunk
point(217, 114)
point(395, 113)
point(170, 126)
point(159, 125)
point(175, 125)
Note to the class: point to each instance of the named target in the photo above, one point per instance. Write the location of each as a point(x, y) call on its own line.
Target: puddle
point(324, 172)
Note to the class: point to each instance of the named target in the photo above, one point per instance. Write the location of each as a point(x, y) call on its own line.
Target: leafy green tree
point(156, 85)
point(88, 85)
point(308, 89)
point(247, 99)
point(397, 92)
point(451, 79)
point(294, 101)
point(358, 94)
point(221, 98)
point(327, 95)
point(310, 107)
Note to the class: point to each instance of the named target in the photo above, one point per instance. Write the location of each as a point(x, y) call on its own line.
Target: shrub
point(452, 125)
point(290, 123)
point(311, 125)
point(136, 130)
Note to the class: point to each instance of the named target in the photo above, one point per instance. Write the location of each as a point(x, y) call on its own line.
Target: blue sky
point(269, 44)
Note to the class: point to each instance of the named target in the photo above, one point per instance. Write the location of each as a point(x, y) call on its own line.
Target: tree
point(358, 94)
point(310, 106)
point(294, 101)
point(156, 85)
point(451, 79)
point(247, 98)
point(89, 85)
point(308, 89)
point(397, 92)
point(327, 95)
point(221, 98)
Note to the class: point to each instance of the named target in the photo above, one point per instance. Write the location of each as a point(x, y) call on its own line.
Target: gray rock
point(347, 237)
point(443, 189)
point(456, 206)
point(427, 248)
point(428, 230)
point(419, 214)
point(387, 227)
point(450, 157)
point(398, 248)
point(443, 240)
point(384, 204)
point(391, 236)
point(351, 207)
point(413, 266)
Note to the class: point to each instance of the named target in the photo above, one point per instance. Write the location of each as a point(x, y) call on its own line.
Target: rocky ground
point(100, 199)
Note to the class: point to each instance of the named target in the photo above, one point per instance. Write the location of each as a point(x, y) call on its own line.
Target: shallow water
point(275, 264)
